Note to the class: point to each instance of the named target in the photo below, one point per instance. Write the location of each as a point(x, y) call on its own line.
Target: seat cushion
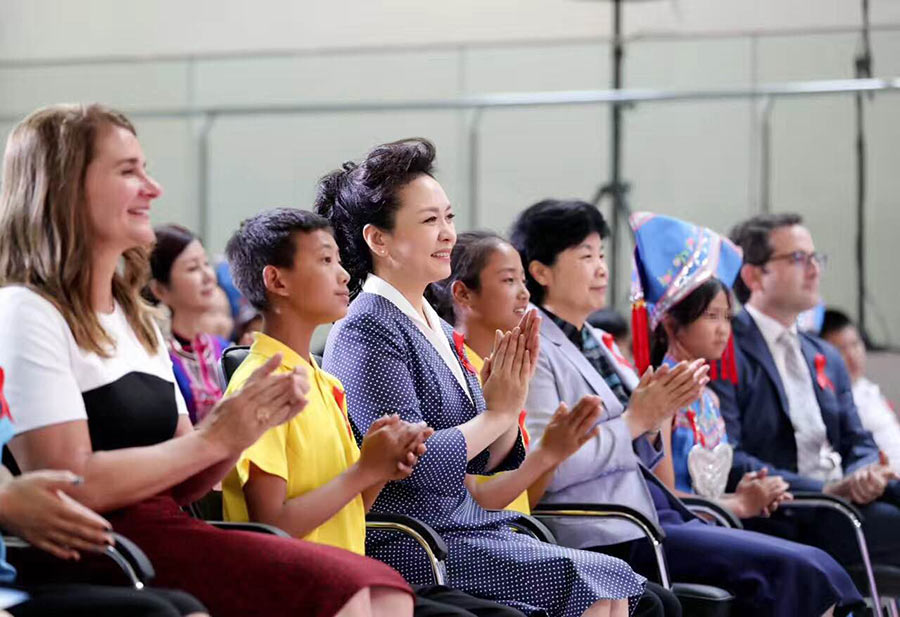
point(703, 600)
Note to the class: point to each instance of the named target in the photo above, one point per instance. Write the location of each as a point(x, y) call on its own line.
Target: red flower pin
point(821, 378)
point(459, 341)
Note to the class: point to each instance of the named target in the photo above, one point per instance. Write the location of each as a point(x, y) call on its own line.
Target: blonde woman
point(93, 389)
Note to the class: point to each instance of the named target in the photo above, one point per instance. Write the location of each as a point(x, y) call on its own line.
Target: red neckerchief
point(459, 341)
point(821, 378)
point(4, 406)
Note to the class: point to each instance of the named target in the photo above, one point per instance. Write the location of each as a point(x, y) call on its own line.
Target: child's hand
point(392, 447)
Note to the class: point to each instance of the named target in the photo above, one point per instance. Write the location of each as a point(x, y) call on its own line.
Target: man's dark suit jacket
point(756, 409)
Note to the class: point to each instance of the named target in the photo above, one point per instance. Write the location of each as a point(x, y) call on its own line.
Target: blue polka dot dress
point(387, 365)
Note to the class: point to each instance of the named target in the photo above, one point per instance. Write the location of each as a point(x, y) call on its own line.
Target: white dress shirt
point(430, 326)
point(878, 418)
point(816, 457)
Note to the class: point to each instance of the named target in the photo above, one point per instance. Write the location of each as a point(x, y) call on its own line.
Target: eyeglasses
point(802, 258)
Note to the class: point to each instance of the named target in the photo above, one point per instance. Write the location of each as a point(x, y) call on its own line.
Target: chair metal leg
point(821, 501)
point(891, 604)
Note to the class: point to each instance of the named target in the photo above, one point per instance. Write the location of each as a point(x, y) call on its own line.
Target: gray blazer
point(607, 468)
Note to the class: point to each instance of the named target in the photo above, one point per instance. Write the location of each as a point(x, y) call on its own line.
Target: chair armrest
point(412, 527)
point(821, 500)
point(533, 527)
point(254, 527)
point(608, 510)
point(127, 555)
point(723, 516)
point(854, 518)
point(426, 537)
point(651, 530)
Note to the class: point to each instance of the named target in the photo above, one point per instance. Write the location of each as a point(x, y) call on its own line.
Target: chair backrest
point(232, 358)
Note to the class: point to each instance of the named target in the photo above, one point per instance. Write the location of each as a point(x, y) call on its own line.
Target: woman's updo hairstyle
point(469, 257)
point(366, 194)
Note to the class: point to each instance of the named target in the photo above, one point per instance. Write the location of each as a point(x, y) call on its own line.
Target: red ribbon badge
point(821, 377)
point(692, 421)
point(4, 406)
point(338, 395)
point(459, 341)
point(610, 342)
point(526, 438)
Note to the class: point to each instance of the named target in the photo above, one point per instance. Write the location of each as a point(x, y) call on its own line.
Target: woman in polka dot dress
point(393, 223)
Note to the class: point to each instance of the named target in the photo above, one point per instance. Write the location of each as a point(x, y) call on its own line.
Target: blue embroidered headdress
point(671, 259)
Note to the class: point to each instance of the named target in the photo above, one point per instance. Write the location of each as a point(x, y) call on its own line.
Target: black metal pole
point(615, 182)
point(863, 70)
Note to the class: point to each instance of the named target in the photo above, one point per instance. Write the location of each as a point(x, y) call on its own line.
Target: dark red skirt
point(236, 573)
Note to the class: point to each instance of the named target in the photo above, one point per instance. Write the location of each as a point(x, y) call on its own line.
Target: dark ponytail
point(468, 259)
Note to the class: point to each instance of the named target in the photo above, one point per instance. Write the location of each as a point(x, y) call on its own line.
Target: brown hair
point(45, 235)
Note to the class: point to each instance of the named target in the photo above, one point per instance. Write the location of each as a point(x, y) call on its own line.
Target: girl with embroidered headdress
point(683, 274)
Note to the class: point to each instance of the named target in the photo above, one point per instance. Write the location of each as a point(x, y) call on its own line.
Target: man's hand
point(864, 485)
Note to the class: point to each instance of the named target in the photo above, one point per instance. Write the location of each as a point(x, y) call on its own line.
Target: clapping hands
point(392, 447)
point(266, 401)
point(36, 507)
point(865, 485)
point(568, 430)
point(509, 368)
point(664, 391)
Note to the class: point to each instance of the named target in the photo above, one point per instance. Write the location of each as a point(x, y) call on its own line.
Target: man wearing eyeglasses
point(787, 399)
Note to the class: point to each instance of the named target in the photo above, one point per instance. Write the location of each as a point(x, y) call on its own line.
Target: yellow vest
point(316, 446)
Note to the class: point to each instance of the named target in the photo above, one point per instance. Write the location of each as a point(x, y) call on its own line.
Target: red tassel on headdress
point(726, 368)
point(640, 336)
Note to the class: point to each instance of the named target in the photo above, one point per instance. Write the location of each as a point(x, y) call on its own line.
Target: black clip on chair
point(699, 600)
point(427, 538)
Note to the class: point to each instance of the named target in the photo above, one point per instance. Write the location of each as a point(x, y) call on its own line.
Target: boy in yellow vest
point(308, 476)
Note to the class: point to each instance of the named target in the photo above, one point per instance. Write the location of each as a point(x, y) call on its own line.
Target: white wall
point(61, 28)
point(696, 160)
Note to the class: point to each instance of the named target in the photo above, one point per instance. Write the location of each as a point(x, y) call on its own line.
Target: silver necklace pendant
point(709, 469)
